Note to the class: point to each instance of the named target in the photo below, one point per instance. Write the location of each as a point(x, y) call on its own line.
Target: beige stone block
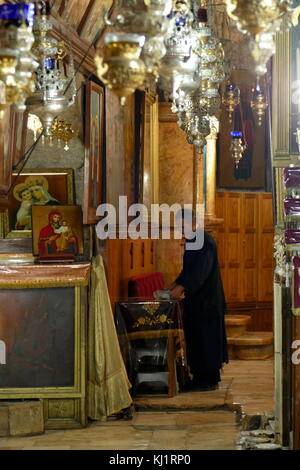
point(4, 423)
point(206, 417)
point(47, 448)
point(214, 445)
point(26, 418)
point(17, 442)
point(155, 419)
point(168, 440)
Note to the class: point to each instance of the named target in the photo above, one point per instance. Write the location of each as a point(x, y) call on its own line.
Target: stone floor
point(199, 421)
point(247, 387)
point(251, 388)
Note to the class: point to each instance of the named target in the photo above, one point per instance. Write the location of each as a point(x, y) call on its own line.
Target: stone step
point(252, 345)
point(231, 348)
point(21, 418)
point(236, 325)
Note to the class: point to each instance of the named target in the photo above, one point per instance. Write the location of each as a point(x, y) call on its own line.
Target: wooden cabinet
point(245, 246)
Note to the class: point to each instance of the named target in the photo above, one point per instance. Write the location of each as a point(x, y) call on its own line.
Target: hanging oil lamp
point(231, 99)
point(237, 148)
point(259, 103)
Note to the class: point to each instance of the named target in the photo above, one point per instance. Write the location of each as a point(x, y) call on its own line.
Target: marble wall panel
point(175, 161)
point(169, 254)
point(175, 185)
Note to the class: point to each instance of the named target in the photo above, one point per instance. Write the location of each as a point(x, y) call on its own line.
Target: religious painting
point(57, 232)
point(253, 171)
point(94, 127)
point(41, 187)
point(37, 337)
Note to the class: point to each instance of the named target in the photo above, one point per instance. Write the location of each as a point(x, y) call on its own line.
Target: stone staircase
point(244, 344)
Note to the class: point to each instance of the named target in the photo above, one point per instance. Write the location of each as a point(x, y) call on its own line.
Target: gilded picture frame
point(94, 134)
point(57, 232)
point(149, 174)
point(43, 186)
point(12, 139)
point(64, 402)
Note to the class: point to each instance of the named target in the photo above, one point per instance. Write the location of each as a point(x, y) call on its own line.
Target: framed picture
point(37, 187)
point(94, 125)
point(47, 317)
point(57, 232)
point(251, 172)
point(149, 174)
point(12, 143)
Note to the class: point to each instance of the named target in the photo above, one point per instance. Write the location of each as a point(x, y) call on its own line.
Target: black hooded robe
point(204, 310)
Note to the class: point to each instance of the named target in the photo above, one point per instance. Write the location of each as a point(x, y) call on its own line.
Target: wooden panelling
point(233, 212)
point(265, 250)
point(261, 315)
point(220, 204)
point(114, 269)
point(233, 247)
point(249, 285)
point(220, 234)
point(233, 285)
point(249, 246)
point(221, 244)
point(128, 258)
point(245, 248)
point(75, 11)
point(249, 250)
point(265, 212)
point(249, 212)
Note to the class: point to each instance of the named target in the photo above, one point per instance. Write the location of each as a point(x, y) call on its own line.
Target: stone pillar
point(198, 179)
point(205, 179)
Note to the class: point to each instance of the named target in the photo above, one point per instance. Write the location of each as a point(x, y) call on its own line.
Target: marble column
point(211, 174)
point(205, 179)
point(198, 179)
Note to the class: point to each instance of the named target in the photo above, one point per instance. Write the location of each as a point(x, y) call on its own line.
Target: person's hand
point(171, 286)
point(176, 292)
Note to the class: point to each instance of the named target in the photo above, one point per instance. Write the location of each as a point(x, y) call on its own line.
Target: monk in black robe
point(204, 310)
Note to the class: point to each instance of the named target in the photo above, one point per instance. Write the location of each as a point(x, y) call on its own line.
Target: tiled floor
point(204, 423)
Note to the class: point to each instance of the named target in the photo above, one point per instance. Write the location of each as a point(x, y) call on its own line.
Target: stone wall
point(45, 156)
